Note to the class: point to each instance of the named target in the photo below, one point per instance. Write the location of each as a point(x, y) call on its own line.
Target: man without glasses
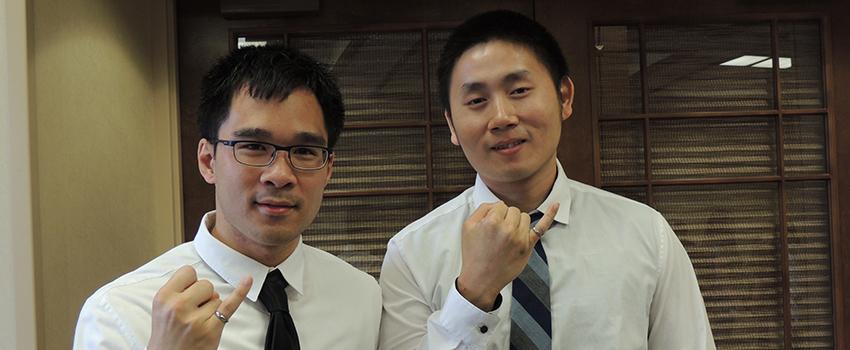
point(484, 270)
point(269, 119)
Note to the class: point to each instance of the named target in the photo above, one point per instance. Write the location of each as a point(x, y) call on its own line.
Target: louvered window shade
point(693, 121)
point(394, 161)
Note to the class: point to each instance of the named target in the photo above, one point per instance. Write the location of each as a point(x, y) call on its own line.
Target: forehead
point(273, 119)
point(496, 60)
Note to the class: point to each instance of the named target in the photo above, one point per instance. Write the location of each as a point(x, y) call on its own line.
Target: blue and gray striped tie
point(531, 318)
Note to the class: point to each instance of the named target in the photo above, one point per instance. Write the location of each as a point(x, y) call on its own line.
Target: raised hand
point(496, 245)
point(184, 312)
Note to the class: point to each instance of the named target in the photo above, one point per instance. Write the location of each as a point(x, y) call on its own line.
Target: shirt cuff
point(466, 322)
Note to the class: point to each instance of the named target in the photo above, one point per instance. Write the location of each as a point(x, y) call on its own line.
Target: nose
point(505, 117)
point(279, 173)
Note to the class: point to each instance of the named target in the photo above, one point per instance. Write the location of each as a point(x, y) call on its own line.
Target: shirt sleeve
point(678, 319)
point(409, 322)
point(99, 327)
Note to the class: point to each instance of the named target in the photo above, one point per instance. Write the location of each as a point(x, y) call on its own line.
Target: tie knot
point(273, 293)
point(535, 217)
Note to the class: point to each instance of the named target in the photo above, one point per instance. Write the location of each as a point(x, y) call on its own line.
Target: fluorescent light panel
point(784, 63)
point(757, 62)
point(744, 61)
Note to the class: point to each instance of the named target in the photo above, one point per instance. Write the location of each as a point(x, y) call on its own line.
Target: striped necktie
point(531, 318)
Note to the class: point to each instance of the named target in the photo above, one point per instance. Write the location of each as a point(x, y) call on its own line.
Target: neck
point(526, 194)
point(268, 255)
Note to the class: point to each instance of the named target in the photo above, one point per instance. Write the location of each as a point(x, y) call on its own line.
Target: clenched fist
point(183, 315)
point(496, 244)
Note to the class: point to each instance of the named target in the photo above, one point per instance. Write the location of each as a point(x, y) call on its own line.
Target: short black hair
point(267, 72)
point(503, 25)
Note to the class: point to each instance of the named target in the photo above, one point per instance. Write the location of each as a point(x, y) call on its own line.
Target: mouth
point(276, 207)
point(508, 147)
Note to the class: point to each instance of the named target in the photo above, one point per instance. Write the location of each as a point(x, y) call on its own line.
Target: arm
point(100, 327)
point(678, 319)
point(496, 244)
point(409, 322)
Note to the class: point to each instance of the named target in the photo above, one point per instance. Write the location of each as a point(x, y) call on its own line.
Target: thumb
point(545, 222)
point(228, 306)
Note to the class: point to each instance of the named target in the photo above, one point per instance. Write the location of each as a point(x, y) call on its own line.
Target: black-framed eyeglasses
point(260, 154)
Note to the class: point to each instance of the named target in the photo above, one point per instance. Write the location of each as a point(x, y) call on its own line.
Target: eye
point(475, 101)
point(253, 147)
point(520, 91)
point(306, 152)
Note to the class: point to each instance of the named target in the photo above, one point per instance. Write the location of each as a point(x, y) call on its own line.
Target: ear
point(448, 116)
point(566, 94)
point(206, 160)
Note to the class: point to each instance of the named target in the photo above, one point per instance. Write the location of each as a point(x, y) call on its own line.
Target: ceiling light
point(745, 61)
point(784, 63)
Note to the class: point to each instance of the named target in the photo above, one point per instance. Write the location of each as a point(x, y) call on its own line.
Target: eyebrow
point(515, 76)
point(309, 138)
point(304, 137)
point(253, 132)
point(509, 79)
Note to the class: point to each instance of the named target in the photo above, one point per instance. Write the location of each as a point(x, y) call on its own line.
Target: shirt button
point(483, 329)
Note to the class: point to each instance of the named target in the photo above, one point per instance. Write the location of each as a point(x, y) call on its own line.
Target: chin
point(507, 174)
point(277, 238)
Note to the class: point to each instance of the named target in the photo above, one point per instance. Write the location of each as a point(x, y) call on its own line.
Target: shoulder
point(445, 219)
point(618, 221)
point(137, 287)
point(337, 271)
point(604, 203)
point(119, 312)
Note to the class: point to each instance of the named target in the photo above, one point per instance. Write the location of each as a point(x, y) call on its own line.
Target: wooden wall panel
point(204, 35)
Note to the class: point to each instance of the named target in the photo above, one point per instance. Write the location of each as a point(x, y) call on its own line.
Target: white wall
point(105, 149)
point(17, 290)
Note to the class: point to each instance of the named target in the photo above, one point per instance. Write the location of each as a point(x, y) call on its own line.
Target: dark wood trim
point(719, 180)
point(784, 256)
point(663, 18)
point(683, 115)
point(644, 91)
point(429, 139)
point(595, 103)
point(392, 191)
point(840, 249)
point(345, 29)
point(836, 47)
point(384, 125)
point(438, 122)
point(450, 189)
point(376, 192)
point(267, 9)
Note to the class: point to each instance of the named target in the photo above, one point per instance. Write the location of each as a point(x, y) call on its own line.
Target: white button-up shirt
point(333, 305)
point(620, 279)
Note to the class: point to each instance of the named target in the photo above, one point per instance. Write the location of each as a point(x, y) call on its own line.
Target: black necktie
point(281, 334)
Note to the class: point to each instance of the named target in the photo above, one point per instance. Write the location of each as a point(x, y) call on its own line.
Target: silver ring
point(539, 234)
point(220, 316)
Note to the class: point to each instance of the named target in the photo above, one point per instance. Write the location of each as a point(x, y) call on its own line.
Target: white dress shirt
point(334, 305)
point(620, 279)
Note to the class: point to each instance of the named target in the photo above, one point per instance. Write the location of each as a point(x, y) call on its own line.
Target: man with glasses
point(269, 119)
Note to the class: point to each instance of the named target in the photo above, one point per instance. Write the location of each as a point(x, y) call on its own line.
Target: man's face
point(262, 209)
point(505, 111)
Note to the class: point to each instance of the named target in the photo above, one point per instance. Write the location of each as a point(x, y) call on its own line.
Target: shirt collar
point(560, 193)
point(232, 265)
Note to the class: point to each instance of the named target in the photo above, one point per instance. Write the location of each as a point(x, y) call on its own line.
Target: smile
point(507, 145)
